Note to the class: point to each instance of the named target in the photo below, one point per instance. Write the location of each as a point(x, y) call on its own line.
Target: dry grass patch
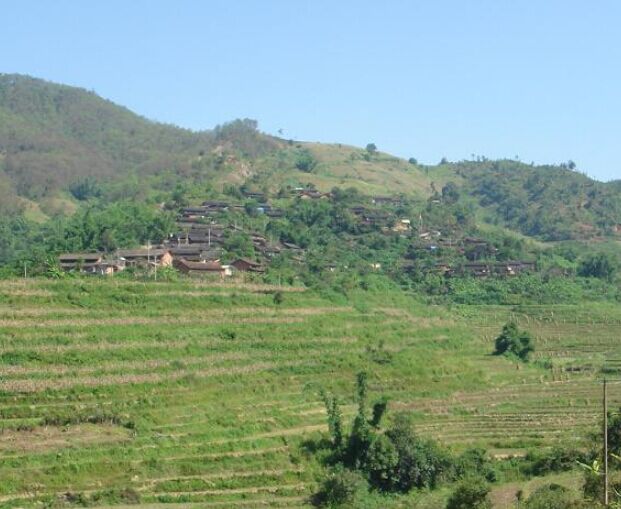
point(50, 438)
point(30, 386)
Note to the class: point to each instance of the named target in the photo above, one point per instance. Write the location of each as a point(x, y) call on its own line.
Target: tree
point(413, 161)
point(421, 462)
point(305, 161)
point(450, 193)
point(335, 421)
point(470, 494)
point(513, 341)
point(396, 460)
point(85, 188)
point(361, 435)
point(238, 244)
point(614, 433)
point(251, 208)
point(381, 463)
point(599, 265)
point(371, 148)
point(178, 197)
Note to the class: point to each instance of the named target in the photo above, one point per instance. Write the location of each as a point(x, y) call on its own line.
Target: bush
point(421, 462)
point(381, 463)
point(470, 494)
point(558, 459)
point(305, 161)
point(513, 341)
point(599, 265)
point(475, 462)
point(341, 488)
point(551, 496)
point(398, 460)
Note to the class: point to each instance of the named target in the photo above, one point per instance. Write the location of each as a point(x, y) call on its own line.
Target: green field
point(192, 394)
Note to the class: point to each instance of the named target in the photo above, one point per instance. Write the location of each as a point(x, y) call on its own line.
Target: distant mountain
point(56, 140)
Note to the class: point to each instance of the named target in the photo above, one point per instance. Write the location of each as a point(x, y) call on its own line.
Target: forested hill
point(54, 135)
point(547, 202)
point(62, 147)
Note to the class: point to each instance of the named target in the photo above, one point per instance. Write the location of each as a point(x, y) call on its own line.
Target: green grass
point(200, 394)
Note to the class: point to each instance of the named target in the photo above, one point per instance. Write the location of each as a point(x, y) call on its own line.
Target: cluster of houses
point(200, 238)
point(212, 208)
point(478, 253)
point(198, 245)
point(195, 249)
point(485, 269)
point(103, 264)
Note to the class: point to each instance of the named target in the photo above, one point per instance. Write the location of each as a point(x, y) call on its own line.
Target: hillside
point(547, 202)
point(119, 392)
point(360, 286)
point(53, 138)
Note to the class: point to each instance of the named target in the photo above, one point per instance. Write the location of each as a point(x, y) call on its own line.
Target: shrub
point(475, 462)
point(550, 496)
point(395, 461)
point(512, 341)
point(305, 161)
point(599, 265)
point(470, 494)
point(558, 459)
point(342, 487)
point(381, 463)
point(421, 462)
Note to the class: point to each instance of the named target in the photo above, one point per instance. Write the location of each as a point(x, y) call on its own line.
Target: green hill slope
point(52, 135)
point(549, 202)
point(88, 369)
point(54, 138)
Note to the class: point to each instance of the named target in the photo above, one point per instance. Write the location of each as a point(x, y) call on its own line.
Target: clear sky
point(540, 79)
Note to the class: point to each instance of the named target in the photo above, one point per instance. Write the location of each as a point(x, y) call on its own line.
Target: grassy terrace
point(200, 395)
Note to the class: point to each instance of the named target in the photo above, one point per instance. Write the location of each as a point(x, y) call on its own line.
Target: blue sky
point(500, 78)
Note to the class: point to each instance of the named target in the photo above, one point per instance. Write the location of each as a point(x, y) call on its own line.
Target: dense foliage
point(513, 341)
point(470, 494)
point(394, 459)
point(550, 202)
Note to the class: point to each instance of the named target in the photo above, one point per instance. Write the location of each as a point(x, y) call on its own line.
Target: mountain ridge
point(54, 137)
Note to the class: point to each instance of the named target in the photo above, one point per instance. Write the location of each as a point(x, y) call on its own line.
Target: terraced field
point(200, 395)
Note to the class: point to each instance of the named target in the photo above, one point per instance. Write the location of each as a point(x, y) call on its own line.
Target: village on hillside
point(197, 246)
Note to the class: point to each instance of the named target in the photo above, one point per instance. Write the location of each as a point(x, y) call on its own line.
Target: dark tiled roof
point(201, 266)
point(70, 257)
point(142, 253)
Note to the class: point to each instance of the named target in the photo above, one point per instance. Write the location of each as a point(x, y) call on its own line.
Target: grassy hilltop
point(114, 392)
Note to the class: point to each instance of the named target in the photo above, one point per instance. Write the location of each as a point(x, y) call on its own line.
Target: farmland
point(189, 394)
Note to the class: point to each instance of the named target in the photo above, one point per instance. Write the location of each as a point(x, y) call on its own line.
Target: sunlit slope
point(187, 392)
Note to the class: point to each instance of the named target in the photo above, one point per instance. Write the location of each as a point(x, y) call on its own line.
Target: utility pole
point(605, 444)
point(25, 270)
